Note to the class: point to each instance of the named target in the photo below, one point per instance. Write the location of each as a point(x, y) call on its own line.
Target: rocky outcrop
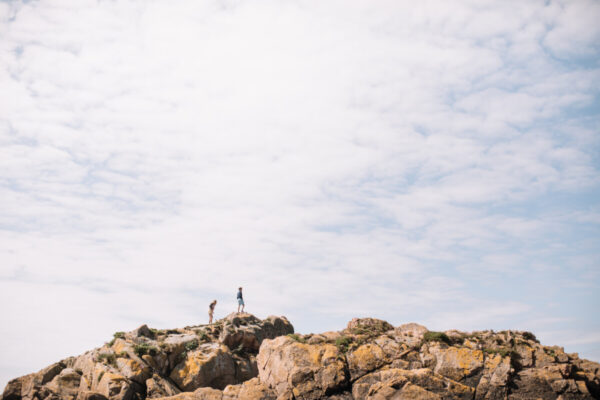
point(151, 363)
point(242, 357)
point(299, 370)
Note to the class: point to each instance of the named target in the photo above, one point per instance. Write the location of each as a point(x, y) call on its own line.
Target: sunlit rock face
point(243, 357)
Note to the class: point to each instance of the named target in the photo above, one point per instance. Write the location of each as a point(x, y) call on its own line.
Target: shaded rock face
point(242, 357)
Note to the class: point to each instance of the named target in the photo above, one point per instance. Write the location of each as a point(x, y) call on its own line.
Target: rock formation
point(242, 357)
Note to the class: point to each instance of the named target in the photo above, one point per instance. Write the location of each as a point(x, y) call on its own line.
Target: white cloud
point(573, 30)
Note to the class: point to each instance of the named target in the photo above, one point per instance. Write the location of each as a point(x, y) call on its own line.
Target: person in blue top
point(240, 300)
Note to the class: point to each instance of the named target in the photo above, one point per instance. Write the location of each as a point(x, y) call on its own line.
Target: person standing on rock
point(211, 310)
point(240, 300)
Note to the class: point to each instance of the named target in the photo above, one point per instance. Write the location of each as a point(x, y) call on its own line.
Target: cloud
point(567, 38)
point(432, 162)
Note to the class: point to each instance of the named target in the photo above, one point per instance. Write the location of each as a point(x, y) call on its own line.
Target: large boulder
point(245, 332)
point(299, 370)
point(210, 365)
point(365, 359)
point(457, 363)
point(411, 334)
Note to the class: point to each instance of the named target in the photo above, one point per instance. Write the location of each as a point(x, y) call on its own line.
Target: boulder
point(365, 359)
point(411, 334)
point(34, 385)
point(457, 363)
point(245, 332)
point(86, 363)
point(134, 370)
point(493, 384)
point(391, 348)
point(65, 385)
point(252, 389)
point(210, 365)
point(115, 386)
point(542, 358)
point(387, 384)
point(175, 346)
point(143, 331)
point(525, 355)
point(13, 389)
point(368, 326)
point(300, 370)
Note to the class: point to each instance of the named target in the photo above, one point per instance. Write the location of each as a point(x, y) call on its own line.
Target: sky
point(434, 162)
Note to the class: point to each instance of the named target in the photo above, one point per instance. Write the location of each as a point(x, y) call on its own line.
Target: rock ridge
point(243, 357)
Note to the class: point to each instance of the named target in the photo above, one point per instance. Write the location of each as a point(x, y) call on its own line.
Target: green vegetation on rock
point(530, 336)
point(107, 358)
point(193, 345)
point(296, 337)
point(116, 335)
point(145, 348)
point(432, 336)
point(343, 343)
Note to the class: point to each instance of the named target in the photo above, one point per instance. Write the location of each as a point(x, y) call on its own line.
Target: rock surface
point(243, 357)
point(148, 363)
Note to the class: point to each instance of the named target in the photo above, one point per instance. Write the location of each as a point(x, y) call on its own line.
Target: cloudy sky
point(434, 161)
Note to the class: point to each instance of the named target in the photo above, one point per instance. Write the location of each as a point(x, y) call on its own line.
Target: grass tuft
point(193, 345)
point(343, 343)
point(432, 336)
point(144, 348)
